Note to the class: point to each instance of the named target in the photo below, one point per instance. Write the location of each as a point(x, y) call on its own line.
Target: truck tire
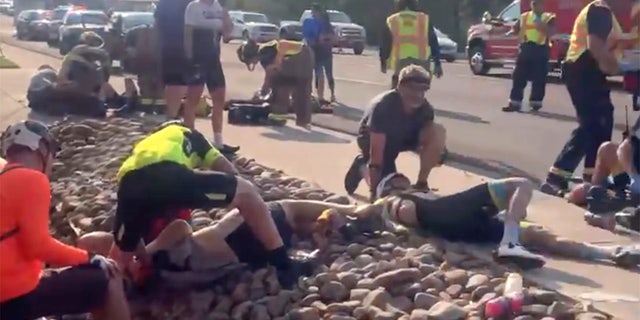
point(477, 62)
point(358, 49)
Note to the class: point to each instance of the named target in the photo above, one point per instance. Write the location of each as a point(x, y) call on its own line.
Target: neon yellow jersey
point(173, 143)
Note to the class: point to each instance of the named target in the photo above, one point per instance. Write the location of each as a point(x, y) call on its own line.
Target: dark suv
point(55, 23)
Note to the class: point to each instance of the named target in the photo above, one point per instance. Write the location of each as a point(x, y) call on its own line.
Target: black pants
point(591, 99)
point(153, 190)
point(531, 65)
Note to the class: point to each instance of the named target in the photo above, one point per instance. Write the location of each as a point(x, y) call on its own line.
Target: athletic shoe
point(515, 253)
point(535, 106)
point(629, 218)
point(513, 106)
point(605, 221)
point(229, 150)
point(554, 185)
point(354, 175)
point(627, 257)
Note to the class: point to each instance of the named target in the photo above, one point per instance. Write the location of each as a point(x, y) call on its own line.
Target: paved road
point(469, 107)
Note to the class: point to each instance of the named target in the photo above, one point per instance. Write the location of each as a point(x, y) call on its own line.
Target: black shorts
point(390, 153)
point(158, 188)
point(207, 72)
point(69, 291)
point(246, 245)
point(468, 216)
point(173, 68)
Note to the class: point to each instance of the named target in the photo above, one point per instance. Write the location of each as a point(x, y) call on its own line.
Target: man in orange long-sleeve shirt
point(91, 284)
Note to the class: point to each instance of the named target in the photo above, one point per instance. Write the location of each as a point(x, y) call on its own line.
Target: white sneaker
point(519, 255)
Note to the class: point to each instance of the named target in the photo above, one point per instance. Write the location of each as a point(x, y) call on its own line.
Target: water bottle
point(511, 301)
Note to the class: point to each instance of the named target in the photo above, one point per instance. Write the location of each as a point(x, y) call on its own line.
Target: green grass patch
point(5, 63)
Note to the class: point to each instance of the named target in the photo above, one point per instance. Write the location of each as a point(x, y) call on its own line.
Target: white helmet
point(28, 134)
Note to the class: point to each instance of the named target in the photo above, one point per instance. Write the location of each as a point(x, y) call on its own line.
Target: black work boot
point(354, 175)
point(554, 185)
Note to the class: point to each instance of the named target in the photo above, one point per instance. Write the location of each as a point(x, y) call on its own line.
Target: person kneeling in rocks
point(491, 212)
point(231, 240)
point(288, 67)
point(89, 283)
point(159, 175)
point(398, 120)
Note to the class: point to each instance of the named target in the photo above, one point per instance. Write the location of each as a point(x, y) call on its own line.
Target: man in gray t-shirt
point(398, 120)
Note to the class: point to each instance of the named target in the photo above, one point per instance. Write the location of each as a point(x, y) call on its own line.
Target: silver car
point(448, 47)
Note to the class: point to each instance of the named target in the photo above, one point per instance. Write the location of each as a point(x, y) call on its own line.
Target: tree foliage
point(451, 16)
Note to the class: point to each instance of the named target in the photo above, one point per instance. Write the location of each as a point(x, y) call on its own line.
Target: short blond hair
point(414, 72)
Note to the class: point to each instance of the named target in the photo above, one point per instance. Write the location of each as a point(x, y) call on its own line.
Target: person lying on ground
point(159, 175)
point(288, 67)
point(398, 120)
point(473, 216)
point(92, 283)
point(231, 240)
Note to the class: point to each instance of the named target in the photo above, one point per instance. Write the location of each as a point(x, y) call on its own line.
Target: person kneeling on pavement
point(288, 67)
point(398, 120)
point(177, 248)
point(491, 212)
point(91, 283)
point(160, 175)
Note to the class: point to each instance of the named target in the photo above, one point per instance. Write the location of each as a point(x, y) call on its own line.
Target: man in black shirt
point(590, 58)
point(398, 120)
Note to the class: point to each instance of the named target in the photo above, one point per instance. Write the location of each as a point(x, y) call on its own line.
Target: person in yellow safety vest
point(534, 28)
point(593, 54)
point(288, 67)
point(409, 38)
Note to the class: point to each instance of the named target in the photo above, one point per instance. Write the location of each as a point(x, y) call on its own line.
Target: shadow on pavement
point(288, 133)
point(494, 169)
point(554, 277)
point(567, 118)
point(555, 79)
point(355, 114)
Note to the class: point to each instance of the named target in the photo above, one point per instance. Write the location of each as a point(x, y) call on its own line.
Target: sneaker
point(513, 106)
point(629, 218)
point(229, 150)
point(627, 257)
point(555, 185)
point(607, 222)
point(354, 176)
point(517, 254)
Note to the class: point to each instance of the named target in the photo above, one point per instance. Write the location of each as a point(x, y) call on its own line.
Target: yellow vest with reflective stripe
point(410, 32)
point(580, 34)
point(284, 48)
point(528, 30)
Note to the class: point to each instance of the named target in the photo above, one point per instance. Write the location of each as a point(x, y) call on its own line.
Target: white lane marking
point(360, 81)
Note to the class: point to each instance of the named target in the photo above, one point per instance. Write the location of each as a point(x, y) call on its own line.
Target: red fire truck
point(489, 47)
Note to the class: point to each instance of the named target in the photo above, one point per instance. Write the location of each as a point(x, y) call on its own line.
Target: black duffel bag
point(247, 113)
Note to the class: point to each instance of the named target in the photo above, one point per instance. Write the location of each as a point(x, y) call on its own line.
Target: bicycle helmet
point(28, 134)
point(391, 183)
point(248, 53)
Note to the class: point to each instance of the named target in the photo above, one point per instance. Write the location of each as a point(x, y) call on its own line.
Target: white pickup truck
point(348, 34)
point(252, 25)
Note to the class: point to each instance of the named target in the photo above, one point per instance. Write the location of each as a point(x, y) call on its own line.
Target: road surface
point(479, 133)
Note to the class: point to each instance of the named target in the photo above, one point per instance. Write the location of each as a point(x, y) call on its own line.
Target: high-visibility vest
point(580, 33)
point(285, 48)
point(635, 25)
point(410, 32)
point(528, 30)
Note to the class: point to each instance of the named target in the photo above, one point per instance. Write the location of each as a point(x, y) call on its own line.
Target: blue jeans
point(324, 66)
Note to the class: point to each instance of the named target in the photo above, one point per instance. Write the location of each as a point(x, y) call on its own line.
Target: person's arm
point(35, 240)
point(189, 20)
point(378, 128)
point(386, 42)
point(549, 28)
point(515, 29)
point(599, 25)
point(309, 32)
point(209, 156)
point(227, 25)
point(434, 44)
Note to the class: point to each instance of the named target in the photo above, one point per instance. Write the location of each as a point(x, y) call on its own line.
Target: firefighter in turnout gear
point(140, 59)
point(409, 38)
point(534, 28)
point(288, 67)
point(594, 53)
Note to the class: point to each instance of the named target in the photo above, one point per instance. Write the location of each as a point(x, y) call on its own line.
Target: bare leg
point(97, 242)
point(432, 141)
point(172, 234)
point(319, 77)
point(194, 94)
point(625, 157)
point(606, 163)
point(217, 116)
point(116, 306)
point(173, 98)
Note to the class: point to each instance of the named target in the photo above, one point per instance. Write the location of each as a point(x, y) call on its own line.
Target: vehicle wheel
point(358, 49)
point(450, 59)
point(19, 35)
point(477, 63)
